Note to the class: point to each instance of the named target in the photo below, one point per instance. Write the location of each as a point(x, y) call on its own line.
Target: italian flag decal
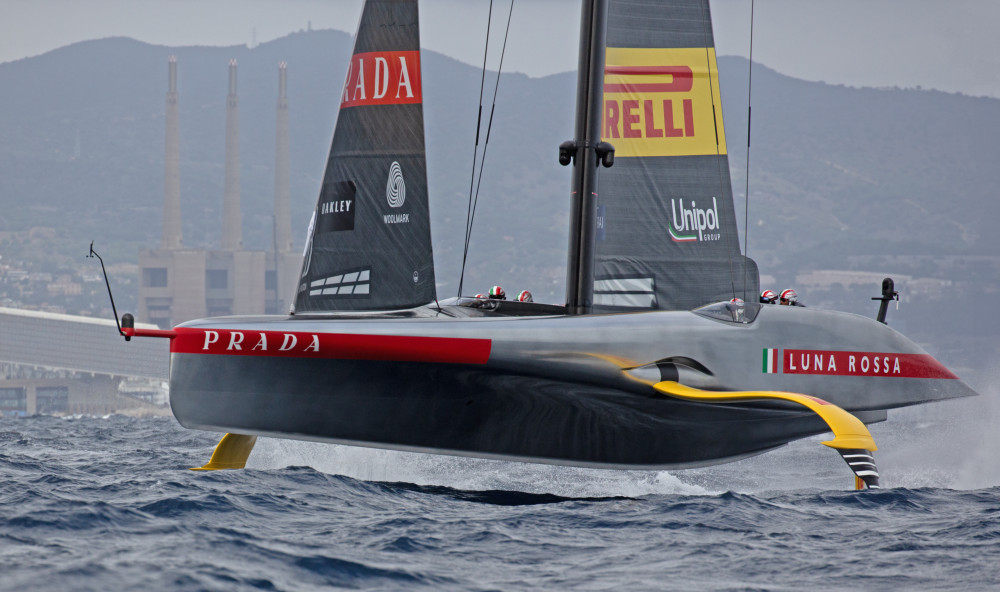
point(681, 238)
point(770, 361)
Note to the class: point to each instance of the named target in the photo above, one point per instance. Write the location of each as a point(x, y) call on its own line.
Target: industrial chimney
point(171, 237)
point(282, 184)
point(232, 225)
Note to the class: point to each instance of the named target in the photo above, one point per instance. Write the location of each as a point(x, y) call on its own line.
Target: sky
point(950, 46)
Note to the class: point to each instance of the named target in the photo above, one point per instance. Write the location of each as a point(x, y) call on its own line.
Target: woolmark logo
point(395, 188)
point(395, 194)
point(693, 224)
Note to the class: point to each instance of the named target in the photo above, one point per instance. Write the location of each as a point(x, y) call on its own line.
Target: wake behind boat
point(654, 362)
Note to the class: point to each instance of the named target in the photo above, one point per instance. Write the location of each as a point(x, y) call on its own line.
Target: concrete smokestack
point(171, 237)
point(282, 184)
point(232, 223)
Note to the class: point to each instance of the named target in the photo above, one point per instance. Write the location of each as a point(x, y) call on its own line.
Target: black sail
point(667, 235)
point(369, 244)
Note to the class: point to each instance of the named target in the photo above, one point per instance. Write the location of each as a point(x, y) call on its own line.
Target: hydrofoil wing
point(851, 438)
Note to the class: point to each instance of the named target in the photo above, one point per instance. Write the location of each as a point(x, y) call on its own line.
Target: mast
point(583, 151)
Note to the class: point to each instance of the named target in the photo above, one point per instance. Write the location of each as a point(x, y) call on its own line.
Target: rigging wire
point(475, 149)
point(746, 210)
point(473, 201)
point(489, 124)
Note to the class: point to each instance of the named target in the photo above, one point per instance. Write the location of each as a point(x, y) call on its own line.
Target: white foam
point(465, 473)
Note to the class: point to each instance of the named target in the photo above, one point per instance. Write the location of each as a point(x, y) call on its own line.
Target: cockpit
point(730, 312)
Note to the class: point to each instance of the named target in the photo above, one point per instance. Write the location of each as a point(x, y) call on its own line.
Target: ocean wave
point(107, 503)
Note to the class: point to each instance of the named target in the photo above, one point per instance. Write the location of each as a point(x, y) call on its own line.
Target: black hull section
point(469, 411)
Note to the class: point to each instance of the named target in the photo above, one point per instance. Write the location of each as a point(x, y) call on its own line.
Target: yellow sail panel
point(662, 102)
point(849, 432)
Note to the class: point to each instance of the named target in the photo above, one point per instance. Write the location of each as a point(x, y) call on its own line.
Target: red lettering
point(651, 130)
point(628, 119)
point(668, 120)
point(611, 119)
point(688, 118)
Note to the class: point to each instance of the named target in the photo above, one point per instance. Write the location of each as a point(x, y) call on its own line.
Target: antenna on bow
point(93, 254)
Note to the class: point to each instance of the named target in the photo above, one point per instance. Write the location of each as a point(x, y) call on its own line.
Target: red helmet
point(524, 296)
point(737, 301)
point(497, 293)
point(481, 296)
point(789, 296)
point(768, 297)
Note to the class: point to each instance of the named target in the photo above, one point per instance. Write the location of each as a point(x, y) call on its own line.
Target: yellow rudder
point(231, 453)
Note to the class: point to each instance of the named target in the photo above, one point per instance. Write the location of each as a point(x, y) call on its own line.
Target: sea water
point(107, 503)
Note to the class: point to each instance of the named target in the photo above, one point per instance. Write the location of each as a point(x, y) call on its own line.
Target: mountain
point(893, 181)
point(863, 168)
point(83, 130)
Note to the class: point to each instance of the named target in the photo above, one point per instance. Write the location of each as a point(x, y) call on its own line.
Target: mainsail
point(667, 237)
point(369, 244)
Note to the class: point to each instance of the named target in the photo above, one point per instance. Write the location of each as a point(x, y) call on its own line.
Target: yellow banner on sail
point(660, 102)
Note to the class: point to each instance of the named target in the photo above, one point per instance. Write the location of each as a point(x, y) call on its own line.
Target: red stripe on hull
point(344, 346)
point(851, 363)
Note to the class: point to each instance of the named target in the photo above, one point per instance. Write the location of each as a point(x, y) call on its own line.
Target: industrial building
point(179, 284)
point(60, 364)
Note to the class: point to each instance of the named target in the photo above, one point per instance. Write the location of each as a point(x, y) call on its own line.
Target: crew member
point(768, 297)
point(497, 293)
point(737, 309)
point(524, 296)
point(790, 298)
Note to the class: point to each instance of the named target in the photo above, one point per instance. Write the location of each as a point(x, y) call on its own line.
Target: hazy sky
point(948, 45)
